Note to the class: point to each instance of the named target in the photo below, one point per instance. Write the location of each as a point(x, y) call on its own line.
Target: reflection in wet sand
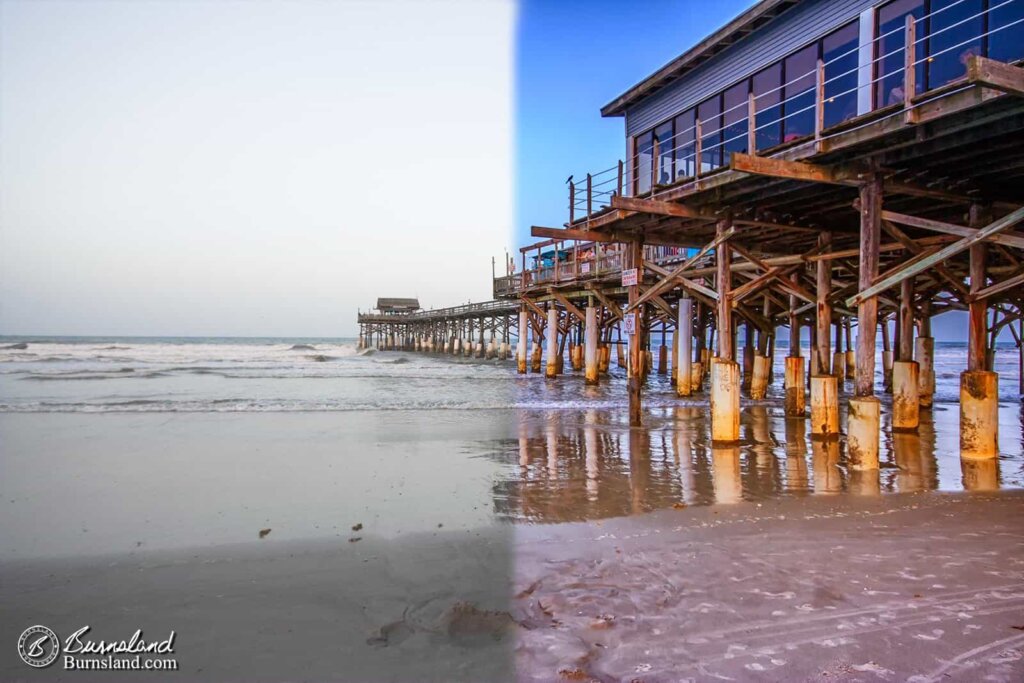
point(980, 475)
point(587, 464)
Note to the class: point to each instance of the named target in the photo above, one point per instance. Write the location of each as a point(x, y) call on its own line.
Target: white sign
point(630, 323)
point(629, 278)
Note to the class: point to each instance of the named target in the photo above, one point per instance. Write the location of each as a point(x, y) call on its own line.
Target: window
point(710, 114)
point(735, 103)
point(800, 74)
point(839, 52)
point(767, 86)
point(890, 54)
point(685, 147)
point(953, 36)
point(642, 162)
point(1006, 38)
point(666, 143)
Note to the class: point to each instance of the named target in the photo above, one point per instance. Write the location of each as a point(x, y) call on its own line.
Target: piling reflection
point(980, 475)
point(570, 465)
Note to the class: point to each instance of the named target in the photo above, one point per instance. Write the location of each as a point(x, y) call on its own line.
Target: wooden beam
point(915, 249)
point(692, 285)
point(671, 278)
point(998, 75)
point(938, 257)
point(790, 170)
point(574, 234)
point(997, 288)
point(658, 208)
point(568, 305)
point(1011, 240)
point(612, 307)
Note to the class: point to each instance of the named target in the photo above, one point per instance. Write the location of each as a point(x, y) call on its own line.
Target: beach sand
point(509, 545)
point(825, 588)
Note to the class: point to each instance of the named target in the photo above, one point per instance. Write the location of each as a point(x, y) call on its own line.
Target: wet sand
point(504, 545)
point(916, 587)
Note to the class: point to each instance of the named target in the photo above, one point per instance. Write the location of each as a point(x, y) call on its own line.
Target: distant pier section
point(476, 329)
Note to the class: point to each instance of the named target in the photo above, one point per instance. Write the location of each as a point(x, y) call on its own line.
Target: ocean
point(122, 445)
point(196, 374)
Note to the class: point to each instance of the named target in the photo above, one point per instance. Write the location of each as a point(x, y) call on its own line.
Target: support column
point(979, 388)
point(552, 339)
point(684, 352)
point(725, 372)
point(906, 404)
point(865, 409)
point(824, 386)
point(794, 377)
point(886, 358)
point(590, 346)
point(635, 254)
point(924, 354)
point(521, 345)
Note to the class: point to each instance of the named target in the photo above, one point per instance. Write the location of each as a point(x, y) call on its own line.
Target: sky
point(174, 167)
point(201, 167)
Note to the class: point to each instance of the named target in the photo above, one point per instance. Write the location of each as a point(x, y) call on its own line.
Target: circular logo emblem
point(38, 646)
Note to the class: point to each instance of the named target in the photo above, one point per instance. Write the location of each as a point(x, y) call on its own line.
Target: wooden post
point(907, 320)
point(909, 68)
point(696, 148)
point(751, 123)
point(723, 261)
point(572, 210)
point(635, 257)
point(867, 311)
point(977, 310)
point(824, 309)
point(618, 184)
point(590, 346)
point(590, 195)
point(819, 99)
point(684, 353)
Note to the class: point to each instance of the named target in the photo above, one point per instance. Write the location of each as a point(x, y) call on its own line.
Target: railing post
point(696, 148)
point(590, 196)
point(572, 203)
point(597, 257)
point(618, 185)
point(909, 68)
point(751, 124)
point(556, 246)
point(655, 164)
point(819, 100)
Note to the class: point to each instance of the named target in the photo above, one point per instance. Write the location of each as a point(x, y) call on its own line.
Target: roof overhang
point(743, 25)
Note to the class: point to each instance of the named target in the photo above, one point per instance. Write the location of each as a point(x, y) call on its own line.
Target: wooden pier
point(857, 186)
point(481, 330)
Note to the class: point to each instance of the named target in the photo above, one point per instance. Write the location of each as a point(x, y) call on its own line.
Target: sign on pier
point(629, 277)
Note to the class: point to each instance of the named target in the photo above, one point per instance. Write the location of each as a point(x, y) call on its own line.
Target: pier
point(855, 180)
point(480, 330)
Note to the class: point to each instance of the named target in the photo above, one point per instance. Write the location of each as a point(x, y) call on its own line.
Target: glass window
point(735, 103)
point(666, 143)
point(798, 93)
point(685, 148)
point(767, 103)
point(642, 162)
point(710, 114)
point(889, 51)
point(839, 52)
point(1006, 41)
point(953, 36)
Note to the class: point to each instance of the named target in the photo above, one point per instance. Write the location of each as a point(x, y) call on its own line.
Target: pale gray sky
point(249, 168)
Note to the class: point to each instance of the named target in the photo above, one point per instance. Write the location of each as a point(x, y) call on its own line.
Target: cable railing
point(571, 260)
point(705, 146)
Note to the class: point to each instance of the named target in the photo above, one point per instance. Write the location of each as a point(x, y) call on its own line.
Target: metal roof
point(737, 29)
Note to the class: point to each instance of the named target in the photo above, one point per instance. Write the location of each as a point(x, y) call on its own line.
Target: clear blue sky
point(573, 57)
